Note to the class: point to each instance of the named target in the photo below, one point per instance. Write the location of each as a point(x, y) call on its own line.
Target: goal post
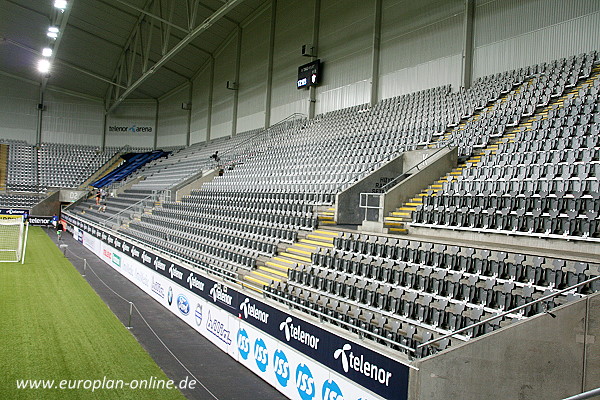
point(12, 239)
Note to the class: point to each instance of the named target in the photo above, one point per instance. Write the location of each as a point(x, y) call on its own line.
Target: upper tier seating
point(543, 180)
point(67, 165)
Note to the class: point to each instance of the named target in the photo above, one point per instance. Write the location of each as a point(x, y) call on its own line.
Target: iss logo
point(183, 304)
point(198, 314)
point(170, 296)
point(331, 391)
point(282, 367)
point(305, 382)
point(243, 343)
point(261, 355)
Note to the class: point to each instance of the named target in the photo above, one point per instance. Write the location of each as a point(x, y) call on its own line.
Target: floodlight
point(47, 52)
point(44, 66)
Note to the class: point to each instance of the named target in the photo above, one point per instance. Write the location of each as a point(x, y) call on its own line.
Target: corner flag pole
point(25, 242)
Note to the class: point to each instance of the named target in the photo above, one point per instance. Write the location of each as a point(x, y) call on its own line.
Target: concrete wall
point(541, 358)
point(347, 202)
point(440, 163)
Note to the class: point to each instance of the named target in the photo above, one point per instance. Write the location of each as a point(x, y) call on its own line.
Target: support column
point(467, 59)
point(269, 87)
point(155, 145)
point(376, 52)
point(188, 137)
point(211, 84)
point(103, 138)
point(312, 90)
point(238, 57)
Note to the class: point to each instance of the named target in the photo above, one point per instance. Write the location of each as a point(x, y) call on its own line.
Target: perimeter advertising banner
point(307, 361)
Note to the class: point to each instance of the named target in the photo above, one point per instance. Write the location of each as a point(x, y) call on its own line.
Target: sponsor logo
point(107, 254)
point(183, 304)
point(116, 260)
point(250, 309)
point(219, 294)
point(305, 382)
point(158, 289)
point(40, 221)
point(194, 282)
point(198, 314)
point(135, 252)
point(170, 296)
point(295, 332)
point(141, 277)
point(132, 129)
point(158, 264)
point(218, 329)
point(146, 259)
point(331, 391)
point(359, 364)
point(125, 247)
point(281, 367)
point(111, 240)
point(174, 272)
point(261, 355)
point(243, 343)
point(117, 243)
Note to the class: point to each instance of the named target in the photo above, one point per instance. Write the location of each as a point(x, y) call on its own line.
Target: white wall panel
point(139, 119)
point(222, 111)
point(421, 45)
point(345, 46)
point(253, 73)
point(172, 119)
point(18, 109)
point(293, 29)
point(201, 86)
point(72, 120)
point(513, 34)
point(434, 73)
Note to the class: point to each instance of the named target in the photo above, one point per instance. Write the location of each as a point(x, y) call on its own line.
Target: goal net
point(12, 233)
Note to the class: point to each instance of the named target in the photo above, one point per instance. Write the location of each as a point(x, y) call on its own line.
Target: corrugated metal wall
point(222, 111)
point(513, 33)
point(345, 46)
point(172, 119)
point(253, 73)
point(18, 116)
point(200, 93)
point(421, 45)
point(292, 30)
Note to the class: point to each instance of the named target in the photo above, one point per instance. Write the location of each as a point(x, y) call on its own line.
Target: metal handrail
point(105, 222)
point(385, 188)
point(512, 311)
point(585, 395)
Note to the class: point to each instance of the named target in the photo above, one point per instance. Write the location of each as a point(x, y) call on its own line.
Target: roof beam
point(164, 21)
point(176, 49)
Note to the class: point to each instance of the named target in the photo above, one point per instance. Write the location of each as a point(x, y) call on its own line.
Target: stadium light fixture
point(47, 52)
point(60, 4)
point(52, 32)
point(44, 66)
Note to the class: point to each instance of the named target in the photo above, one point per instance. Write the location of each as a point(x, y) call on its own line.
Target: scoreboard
point(309, 74)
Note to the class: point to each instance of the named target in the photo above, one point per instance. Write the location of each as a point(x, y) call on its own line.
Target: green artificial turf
point(54, 326)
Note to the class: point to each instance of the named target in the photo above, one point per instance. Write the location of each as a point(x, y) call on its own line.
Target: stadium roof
point(116, 49)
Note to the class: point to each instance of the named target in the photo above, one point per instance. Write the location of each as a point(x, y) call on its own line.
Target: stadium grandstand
point(373, 200)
